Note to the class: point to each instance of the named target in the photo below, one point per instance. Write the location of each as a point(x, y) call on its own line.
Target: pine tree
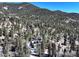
point(77, 51)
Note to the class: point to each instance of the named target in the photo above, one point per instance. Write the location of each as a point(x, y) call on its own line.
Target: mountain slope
point(26, 29)
point(53, 18)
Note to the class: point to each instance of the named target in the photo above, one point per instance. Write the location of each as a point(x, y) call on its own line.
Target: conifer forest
point(27, 30)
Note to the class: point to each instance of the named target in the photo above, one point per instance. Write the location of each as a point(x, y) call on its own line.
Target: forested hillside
point(27, 30)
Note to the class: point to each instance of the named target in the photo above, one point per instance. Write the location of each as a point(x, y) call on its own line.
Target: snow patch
point(53, 30)
point(0, 26)
point(17, 17)
point(67, 21)
point(5, 7)
point(20, 7)
point(1, 12)
point(76, 42)
point(2, 37)
point(46, 51)
point(32, 56)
